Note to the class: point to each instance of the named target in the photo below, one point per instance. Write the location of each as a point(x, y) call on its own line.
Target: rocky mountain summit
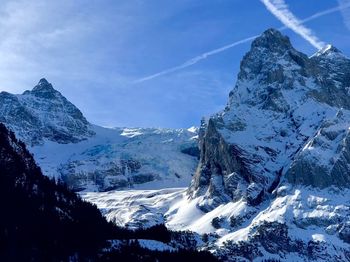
point(287, 117)
point(273, 177)
point(281, 141)
point(43, 113)
point(92, 158)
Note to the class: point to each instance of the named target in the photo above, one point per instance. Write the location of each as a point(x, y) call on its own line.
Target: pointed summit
point(268, 56)
point(44, 89)
point(44, 113)
point(43, 84)
point(273, 40)
point(43, 81)
point(328, 51)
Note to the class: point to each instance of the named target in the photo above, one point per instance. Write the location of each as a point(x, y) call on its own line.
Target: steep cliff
point(279, 108)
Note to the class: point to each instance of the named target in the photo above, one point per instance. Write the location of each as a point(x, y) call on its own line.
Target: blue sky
point(95, 52)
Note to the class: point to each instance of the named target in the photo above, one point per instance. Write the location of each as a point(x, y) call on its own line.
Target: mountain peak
point(272, 32)
point(327, 51)
point(43, 89)
point(43, 85)
point(268, 56)
point(273, 40)
point(43, 81)
point(44, 113)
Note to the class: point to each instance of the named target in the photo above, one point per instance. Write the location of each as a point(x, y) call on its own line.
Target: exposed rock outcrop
point(283, 103)
point(43, 113)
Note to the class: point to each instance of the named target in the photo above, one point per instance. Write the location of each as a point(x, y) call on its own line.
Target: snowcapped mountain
point(274, 171)
point(273, 177)
point(43, 113)
point(93, 158)
point(282, 101)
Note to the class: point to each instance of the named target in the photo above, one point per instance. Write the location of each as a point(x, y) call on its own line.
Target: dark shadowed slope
point(42, 220)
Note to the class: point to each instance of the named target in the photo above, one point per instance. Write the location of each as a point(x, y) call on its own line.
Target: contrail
point(196, 59)
point(245, 40)
point(280, 10)
point(326, 12)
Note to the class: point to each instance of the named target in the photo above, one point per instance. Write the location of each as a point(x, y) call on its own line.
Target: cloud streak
point(281, 11)
point(196, 59)
point(205, 55)
point(345, 12)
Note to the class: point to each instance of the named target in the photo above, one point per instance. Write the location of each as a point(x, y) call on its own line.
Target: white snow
point(322, 51)
point(136, 208)
point(155, 245)
point(157, 150)
point(308, 213)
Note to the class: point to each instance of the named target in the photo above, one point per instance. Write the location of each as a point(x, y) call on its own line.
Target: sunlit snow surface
point(310, 214)
point(157, 151)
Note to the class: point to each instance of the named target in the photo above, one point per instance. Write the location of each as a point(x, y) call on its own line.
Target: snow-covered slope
point(281, 100)
point(43, 113)
point(122, 158)
point(136, 208)
point(298, 224)
point(93, 158)
point(274, 171)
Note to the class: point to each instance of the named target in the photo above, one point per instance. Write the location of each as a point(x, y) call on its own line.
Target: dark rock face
point(281, 102)
point(192, 151)
point(222, 167)
point(115, 175)
point(332, 75)
point(310, 168)
point(43, 113)
point(344, 232)
point(262, 62)
point(43, 90)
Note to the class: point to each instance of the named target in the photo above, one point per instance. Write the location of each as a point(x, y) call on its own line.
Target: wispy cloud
point(205, 55)
point(340, 7)
point(281, 11)
point(345, 12)
point(196, 59)
point(55, 39)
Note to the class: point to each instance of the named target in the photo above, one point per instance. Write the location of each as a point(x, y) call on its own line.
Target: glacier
point(88, 157)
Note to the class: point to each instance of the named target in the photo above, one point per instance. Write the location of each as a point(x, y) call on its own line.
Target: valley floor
point(136, 208)
point(311, 216)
